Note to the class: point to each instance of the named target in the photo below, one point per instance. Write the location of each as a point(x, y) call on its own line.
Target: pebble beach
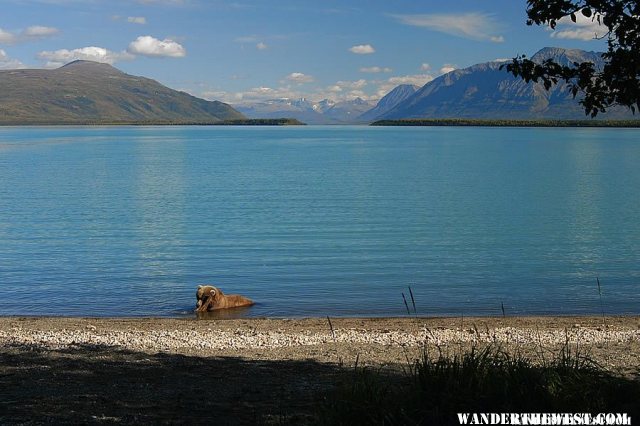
point(613, 340)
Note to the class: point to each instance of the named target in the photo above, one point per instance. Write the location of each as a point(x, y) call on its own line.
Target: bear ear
point(199, 286)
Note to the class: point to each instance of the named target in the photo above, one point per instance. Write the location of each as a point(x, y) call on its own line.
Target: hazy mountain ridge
point(323, 112)
point(484, 91)
point(389, 101)
point(299, 109)
point(91, 92)
point(348, 111)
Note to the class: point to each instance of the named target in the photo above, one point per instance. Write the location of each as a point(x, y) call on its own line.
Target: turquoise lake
point(315, 221)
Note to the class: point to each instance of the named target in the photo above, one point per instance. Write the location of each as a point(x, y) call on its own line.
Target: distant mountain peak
point(92, 92)
point(566, 56)
point(90, 66)
point(484, 91)
point(85, 63)
point(78, 62)
point(358, 101)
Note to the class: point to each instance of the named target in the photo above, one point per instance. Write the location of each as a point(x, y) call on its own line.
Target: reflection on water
point(159, 201)
point(316, 221)
point(233, 313)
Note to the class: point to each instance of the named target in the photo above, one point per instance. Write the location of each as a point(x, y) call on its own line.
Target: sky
point(250, 50)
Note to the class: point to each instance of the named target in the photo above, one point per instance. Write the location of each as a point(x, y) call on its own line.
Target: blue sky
point(247, 50)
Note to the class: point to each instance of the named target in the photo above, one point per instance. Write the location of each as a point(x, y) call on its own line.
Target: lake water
point(314, 221)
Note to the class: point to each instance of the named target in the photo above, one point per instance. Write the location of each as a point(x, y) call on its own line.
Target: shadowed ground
point(87, 384)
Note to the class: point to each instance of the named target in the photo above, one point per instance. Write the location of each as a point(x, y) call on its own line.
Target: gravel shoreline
point(615, 341)
point(170, 335)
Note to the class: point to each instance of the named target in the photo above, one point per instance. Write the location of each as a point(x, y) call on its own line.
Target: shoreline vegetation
point(435, 122)
point(462, 122)
point(313, 370)
point(234, 122)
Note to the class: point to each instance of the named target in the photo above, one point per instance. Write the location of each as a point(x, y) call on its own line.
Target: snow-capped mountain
point(325, 111)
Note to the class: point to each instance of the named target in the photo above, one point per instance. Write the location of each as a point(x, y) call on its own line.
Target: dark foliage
point(618, 83)
point(262, 122)
point(461, 122)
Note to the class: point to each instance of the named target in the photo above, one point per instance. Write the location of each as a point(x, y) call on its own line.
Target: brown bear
point(209, 298)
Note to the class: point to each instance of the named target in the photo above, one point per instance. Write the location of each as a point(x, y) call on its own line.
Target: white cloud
point(353, 94)
point(300, 78)
point(7, 63)
point(473, 25)
point(6, 37)
point(351, 85)
point(60, 57)
point(375, 69)
point(344, 90)
point(425, 67)
point(141, 20)
point(416, 79)
point(34, 32)
point(261, 46)
point(218, 95)
point(39, 31)
point(362, 49)
point(279, 93)
point(263, 91)
point(446, 68)
point(150, 46)
point(255, 94)
point(583, 29)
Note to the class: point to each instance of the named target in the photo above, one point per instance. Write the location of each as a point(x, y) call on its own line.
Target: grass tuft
point(600, 294)
point(404, 299)
point(480, 380)
point(413, 301)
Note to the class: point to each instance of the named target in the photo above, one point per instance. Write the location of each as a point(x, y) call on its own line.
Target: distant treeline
point(507, 123)
point(235, 122)
point(261, 122)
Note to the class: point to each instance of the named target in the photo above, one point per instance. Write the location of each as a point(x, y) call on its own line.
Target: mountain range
point(323, 112)
point(356, 111)
point(481, 91)
point(85, 92)
point(484, 91)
